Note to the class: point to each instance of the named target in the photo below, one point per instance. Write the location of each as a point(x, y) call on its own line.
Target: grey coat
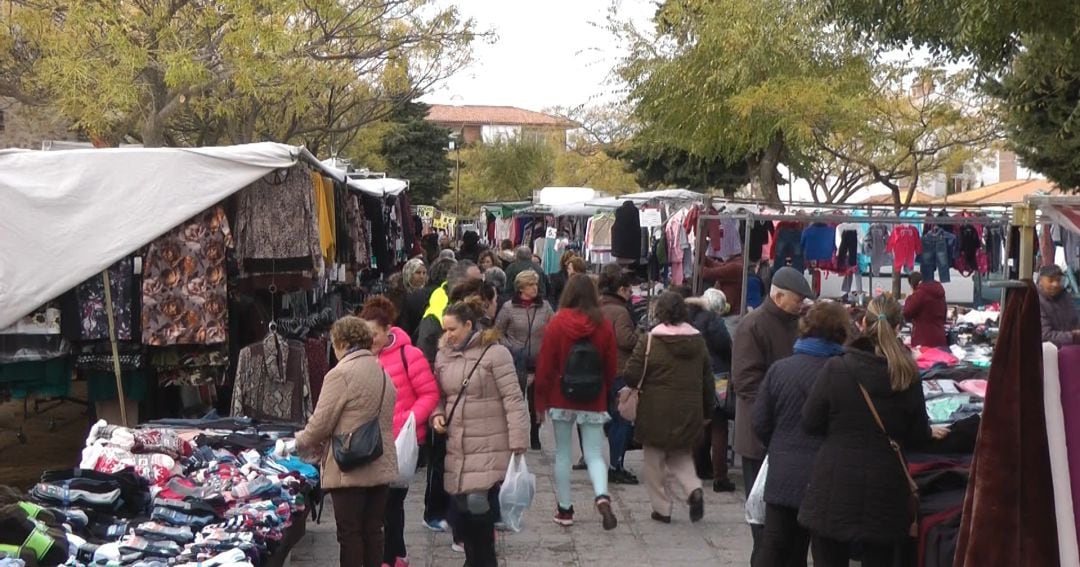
point(1058, 319)
point(764, 336)
point(524, 326)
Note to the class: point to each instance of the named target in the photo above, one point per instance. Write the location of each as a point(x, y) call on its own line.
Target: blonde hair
point(883, 316)
point(352, 332)
point(526, 279)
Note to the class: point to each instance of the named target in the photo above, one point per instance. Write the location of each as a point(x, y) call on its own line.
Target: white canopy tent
point(68, 215)
point(374, 186)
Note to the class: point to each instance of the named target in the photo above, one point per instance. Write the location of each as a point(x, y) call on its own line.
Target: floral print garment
point(184, 293)
point(94, 321)
point(277, 228)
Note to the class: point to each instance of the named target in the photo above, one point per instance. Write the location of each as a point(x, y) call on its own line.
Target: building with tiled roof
point(1004, 193)
point(475, 123)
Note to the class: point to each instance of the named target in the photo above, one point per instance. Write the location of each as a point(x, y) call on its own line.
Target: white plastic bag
point(755, 503)
point(408, 452)
point(516, 494)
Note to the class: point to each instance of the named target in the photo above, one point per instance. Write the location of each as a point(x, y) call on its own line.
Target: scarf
point(818, 347)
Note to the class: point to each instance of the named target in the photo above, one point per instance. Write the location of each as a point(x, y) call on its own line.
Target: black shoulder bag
point(465, 384)
point(364, 444)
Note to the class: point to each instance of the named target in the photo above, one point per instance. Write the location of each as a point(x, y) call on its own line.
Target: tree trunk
point(153, 131)
point(767, 173)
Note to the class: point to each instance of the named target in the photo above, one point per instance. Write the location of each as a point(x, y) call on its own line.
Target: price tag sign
point(650, 218)
point(552, 232)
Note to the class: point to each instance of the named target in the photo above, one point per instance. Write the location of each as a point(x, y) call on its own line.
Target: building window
point(1, 120)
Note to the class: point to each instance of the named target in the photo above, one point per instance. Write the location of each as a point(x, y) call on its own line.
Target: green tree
point(415, 149)
point(736, 81)
point(656, 166)
point(502, 170)
point(916, 123)
point(210, 71)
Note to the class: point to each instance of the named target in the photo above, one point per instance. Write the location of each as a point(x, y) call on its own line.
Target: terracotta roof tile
point(919, 198)
point(1004, 193)
point(500, 115)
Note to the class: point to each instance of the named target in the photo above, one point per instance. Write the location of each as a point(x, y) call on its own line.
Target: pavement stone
point(721, 539)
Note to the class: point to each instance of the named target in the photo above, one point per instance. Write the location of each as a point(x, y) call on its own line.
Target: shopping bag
point(516, 494)
point(408, 452)
point(755, 503)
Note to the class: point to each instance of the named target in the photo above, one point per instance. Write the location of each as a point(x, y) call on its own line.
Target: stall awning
point(1063, 210)
point(68, 215)
point(379, 187)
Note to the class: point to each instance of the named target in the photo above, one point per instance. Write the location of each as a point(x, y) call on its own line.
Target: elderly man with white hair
point(763, 336)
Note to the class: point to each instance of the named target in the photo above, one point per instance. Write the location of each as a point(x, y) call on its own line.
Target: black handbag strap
point(465, 384)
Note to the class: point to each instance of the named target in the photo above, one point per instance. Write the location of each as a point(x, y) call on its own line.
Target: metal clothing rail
point(1001, 220)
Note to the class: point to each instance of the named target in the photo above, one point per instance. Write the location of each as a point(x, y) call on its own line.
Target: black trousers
point(477, 515)
point(359, 513)
point(832, 553)
point(784, 542)
point(394, 526)
point(437, 505)
point(751, 468)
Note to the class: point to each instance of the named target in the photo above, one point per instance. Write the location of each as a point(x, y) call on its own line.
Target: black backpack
point(583, 377)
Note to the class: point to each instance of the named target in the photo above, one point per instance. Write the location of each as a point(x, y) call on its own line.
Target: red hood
point(573, 323)
point(933, 289)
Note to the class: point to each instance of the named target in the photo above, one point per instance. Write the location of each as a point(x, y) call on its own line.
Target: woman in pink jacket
point(417, 393)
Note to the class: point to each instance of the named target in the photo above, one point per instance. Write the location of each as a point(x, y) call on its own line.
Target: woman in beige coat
point(355, 392)
point(485, 419)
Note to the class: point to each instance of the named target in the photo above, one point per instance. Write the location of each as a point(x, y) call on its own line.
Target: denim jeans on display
point(935, 255)
point(789, 245)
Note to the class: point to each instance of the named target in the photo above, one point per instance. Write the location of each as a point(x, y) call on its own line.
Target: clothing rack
point(750, 218)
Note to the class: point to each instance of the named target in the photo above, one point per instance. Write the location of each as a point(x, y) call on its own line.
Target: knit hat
point(715, 301)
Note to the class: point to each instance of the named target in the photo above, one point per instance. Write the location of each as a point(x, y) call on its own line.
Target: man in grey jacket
point(763, 336)
point(1060, 324)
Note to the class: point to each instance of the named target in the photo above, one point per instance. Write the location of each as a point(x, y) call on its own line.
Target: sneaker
point(622, 476)
point(581, 466)
point(563, 517)
point(723, 485)
point(457, 547)
point(501, 527)
point(697, 505)
point(603, 505)
point(437, 525)
point(661, 518)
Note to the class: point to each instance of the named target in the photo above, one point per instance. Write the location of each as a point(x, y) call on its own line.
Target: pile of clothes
point(157, 497)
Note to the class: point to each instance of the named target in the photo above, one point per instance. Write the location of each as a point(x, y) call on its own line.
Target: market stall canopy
point(566, 195)
point(1063, 210)
point(68, 215)
point(379, 186)
point(664, 194)
point(1004, 193)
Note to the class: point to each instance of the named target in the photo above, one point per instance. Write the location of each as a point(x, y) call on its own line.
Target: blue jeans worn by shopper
point(619, 430)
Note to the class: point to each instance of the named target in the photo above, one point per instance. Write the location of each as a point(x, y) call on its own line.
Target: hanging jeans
point(995, 243)
point(789, 245)
point(935, 256)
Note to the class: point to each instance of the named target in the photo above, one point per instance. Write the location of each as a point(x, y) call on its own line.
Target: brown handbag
point(913, 530)
point(629, 397)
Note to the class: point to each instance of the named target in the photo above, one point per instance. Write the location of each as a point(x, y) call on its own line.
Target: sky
point(551, 53)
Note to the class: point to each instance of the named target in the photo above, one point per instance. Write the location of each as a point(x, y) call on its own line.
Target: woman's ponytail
point(883, 316)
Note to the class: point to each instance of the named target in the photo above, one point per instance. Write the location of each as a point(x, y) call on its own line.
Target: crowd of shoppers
point(482, 352)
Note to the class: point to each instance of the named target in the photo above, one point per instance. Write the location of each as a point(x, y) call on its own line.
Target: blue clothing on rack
point(818, 242)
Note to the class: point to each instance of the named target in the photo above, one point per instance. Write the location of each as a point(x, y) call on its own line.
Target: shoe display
point(622, 476)
point(697, 505)
point(661, 518)
point(563, 517)
point(608, 519)
point(723, 485)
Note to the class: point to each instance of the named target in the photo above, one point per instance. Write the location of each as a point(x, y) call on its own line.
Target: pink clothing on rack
point(904, 244)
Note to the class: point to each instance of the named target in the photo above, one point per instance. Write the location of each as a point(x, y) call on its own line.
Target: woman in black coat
point(859, 492)
point(778, 423)
point(710, 458)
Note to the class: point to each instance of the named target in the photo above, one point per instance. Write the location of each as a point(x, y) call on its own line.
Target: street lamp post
point(456, 146)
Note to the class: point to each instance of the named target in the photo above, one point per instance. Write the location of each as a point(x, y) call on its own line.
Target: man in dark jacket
point(523, 261)
point(1059, 320)
point(614, 284)
point(430, 329)
point(925, 308)
point(763, 336)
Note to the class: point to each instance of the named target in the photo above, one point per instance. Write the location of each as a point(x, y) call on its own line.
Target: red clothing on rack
point(904, 243)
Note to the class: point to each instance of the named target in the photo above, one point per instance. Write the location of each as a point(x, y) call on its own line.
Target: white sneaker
point(457, 547)
point(437, 525)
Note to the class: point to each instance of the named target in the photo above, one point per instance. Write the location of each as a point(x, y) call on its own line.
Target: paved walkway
point(722, 539)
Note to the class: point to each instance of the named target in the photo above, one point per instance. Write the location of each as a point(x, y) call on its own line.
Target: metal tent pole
point(115, 348)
